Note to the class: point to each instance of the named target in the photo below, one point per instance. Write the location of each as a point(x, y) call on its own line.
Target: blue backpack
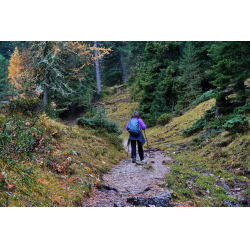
point(134, 127)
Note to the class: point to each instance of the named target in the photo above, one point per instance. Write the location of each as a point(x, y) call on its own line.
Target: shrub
point(202, 122)
point(204, 97)
point(25, 106)
point(164, 119)
point(238, 123)
point(19, 139)
point(96, 123)
point(197, 126)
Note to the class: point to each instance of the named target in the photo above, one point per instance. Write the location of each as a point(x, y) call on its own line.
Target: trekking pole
point(146, 137)
point(128, 148)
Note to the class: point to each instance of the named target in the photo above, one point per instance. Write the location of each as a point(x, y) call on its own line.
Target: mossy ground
point(59, 177)
point(206, 170)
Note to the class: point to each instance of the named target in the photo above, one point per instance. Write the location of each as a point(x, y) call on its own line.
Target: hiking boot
point(143, 161)
point(134, 160)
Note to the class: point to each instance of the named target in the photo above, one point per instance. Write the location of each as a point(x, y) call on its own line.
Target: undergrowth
point(45, 163)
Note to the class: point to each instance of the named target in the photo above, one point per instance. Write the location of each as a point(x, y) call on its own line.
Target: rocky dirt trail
point(134, 184)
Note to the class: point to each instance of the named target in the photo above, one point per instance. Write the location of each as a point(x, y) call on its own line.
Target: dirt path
point(131, 180)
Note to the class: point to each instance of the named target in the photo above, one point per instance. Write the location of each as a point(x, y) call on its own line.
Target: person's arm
point(141, 124)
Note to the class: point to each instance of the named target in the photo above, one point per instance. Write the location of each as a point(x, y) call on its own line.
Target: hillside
point(46, 163)
point(208, 168)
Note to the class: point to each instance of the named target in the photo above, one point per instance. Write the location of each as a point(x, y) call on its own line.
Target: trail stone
point(119, 204)
point(145, 201)
point(76, 153)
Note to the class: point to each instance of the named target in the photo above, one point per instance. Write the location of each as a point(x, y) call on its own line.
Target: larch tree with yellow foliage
point(16, 71)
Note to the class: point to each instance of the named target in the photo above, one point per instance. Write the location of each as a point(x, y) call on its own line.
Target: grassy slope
point(119, 107)
point(205, 173)
point(44, 185)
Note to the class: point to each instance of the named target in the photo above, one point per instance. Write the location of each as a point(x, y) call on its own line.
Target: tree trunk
point(46, 90)
point(45, 96)
point(124, 71)
point(98, 80)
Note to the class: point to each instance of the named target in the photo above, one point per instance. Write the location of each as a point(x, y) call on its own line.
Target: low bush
point(204, 97)
point(197, 126)
point(19, 140)
point(96, 123)
point(238, 123)
point(25, 106)
point(202, 123)
point(164, 119)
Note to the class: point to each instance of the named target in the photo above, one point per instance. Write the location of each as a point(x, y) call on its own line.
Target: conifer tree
point(5, 87)
point(230, 70)
point(16, 71)
point(189, 83)
point(154, 83)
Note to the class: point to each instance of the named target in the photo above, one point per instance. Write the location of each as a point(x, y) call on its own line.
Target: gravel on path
point(131, 179)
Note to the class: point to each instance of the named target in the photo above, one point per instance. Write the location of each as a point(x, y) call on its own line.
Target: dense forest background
point(166, 77)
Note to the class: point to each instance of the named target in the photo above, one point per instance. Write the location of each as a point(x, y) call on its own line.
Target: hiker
point(134, 127)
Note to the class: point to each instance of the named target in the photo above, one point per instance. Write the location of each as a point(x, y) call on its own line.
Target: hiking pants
point(140, 149)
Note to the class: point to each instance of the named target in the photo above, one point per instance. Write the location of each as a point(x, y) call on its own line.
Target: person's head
point(135, 114)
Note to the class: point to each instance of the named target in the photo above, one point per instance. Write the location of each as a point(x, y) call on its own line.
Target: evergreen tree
point(155, 80)
point(189, 84)
point(5, 87)
point(230, 70)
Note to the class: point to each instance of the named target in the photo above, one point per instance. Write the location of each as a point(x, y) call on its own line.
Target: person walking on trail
point(134, 127)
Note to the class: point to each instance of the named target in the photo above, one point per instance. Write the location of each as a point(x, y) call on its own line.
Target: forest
point(45, 86)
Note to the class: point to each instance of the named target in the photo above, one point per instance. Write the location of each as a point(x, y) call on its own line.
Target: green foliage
point(197, 126)
point(99, 121)
point(111, 65)
point(155, 77)
point(230, 70)
point(164, 119)
point(20, 139)
point(238, 123)
point(201, 123)
point(104, 94)
point(100, 113)
point(189, 82)
point(6, 89)
point(204, 97)
point(25, 106)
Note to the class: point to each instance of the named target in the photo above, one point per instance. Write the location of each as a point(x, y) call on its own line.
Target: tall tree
point(5, 87)
point(16, 71)
point(98, 79)
point(189, 86)
point(230, 70)
point(153, 83)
